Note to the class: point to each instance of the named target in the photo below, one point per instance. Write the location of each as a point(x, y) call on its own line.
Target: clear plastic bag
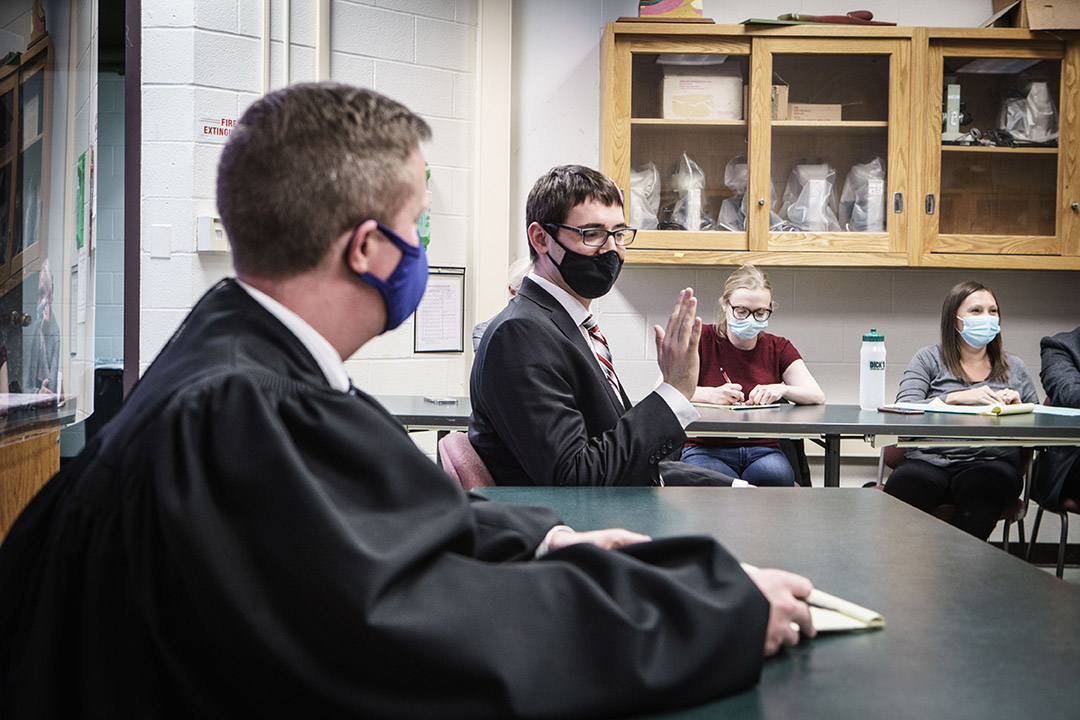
point(810, 199)
point(862, 201)
point(1031, 116)
point(733, 210)
point(644, 197)
point(691, 211)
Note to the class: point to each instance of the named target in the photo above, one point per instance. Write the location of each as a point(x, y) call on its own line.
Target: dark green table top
point(970, 631)
point(850, 420)
point(791, 420)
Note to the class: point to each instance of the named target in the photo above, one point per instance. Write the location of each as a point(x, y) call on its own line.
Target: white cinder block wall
point(109, 270)
point(203, 59)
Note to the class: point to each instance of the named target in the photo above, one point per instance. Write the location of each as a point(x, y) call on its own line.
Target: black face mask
point(590, 276)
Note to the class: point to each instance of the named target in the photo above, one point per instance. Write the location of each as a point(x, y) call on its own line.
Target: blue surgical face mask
point(402, 291)
point(747, 328)
point(980, 330)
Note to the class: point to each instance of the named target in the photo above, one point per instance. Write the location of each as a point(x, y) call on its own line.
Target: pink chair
point(459, 459)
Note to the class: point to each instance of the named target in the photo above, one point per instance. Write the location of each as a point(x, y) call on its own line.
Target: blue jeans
point(755, 464)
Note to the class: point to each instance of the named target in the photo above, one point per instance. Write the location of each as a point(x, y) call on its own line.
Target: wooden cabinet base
point(26, 463)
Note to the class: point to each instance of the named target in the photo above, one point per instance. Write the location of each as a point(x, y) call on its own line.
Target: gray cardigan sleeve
point(927, 377)
point(1021, 381)
point(925, 366)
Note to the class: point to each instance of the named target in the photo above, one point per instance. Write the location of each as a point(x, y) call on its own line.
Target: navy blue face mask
point(402, 291)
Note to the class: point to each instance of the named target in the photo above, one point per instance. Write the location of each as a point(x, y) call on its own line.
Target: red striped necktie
point(603, 353)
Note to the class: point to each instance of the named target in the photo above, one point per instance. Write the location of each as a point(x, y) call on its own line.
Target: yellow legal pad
point(832, 614)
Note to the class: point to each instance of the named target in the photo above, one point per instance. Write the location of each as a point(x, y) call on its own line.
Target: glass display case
point(995, 167)
point(848, 145)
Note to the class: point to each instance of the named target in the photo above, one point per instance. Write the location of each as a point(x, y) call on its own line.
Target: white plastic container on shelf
point(872, 371)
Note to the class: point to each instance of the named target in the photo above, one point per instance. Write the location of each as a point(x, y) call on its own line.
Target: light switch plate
point(211, 234)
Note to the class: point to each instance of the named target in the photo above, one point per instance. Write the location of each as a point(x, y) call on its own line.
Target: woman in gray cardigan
point(968, 367)
point(1057, 470)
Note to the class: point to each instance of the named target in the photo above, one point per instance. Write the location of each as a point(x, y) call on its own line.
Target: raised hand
point(677, 345)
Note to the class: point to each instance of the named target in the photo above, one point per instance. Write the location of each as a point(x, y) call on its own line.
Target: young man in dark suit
point(547, 406)
point(253, 537)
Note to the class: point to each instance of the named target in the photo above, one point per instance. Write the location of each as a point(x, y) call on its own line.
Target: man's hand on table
point(789, 615)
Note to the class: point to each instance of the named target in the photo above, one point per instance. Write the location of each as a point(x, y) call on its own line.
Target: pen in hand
point(723, 374)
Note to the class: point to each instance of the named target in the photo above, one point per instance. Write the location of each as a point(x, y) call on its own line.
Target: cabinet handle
point(898, 202)
point(929, 203)
point(761, 202)
point(1075, 207)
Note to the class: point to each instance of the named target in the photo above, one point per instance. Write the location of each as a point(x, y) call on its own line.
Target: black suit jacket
point(1060, 375)
point(544, 414)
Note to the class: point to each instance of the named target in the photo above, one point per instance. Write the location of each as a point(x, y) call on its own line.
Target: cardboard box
point(779, 102)
point(702, 93)
point(1036, 14)
point(814, 112)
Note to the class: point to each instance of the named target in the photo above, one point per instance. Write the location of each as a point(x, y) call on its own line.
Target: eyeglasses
point(596, 237)
point(741, 313)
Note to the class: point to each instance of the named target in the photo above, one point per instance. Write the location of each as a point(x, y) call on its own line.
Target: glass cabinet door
point(29, 204)
point(994, 159)
point(832, 139)
point(8, 133)
point(679, 151)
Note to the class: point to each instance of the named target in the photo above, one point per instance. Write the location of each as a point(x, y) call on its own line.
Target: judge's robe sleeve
point(295, 553)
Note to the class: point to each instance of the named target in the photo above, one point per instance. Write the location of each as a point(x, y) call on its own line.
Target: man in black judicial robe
point(250, 535)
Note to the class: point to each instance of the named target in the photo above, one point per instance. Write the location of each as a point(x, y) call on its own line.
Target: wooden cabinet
point(855, 172)
point(994, 205)
point(24, 157)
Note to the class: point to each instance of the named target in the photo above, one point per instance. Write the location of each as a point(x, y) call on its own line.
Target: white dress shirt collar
point(320, 348)
point(572, 305)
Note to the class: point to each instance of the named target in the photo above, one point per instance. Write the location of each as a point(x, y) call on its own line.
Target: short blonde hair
point(747, 277)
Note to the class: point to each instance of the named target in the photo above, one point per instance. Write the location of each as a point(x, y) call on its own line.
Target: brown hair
point(307, 163)
point(747, 277)
point(950, 337)
point(562, 189)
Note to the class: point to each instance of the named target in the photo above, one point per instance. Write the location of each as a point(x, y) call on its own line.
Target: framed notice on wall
point(439, 325)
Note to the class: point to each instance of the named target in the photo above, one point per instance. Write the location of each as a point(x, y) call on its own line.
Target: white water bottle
point(872, 371)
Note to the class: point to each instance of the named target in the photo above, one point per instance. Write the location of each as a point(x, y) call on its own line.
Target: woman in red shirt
point(740, 364)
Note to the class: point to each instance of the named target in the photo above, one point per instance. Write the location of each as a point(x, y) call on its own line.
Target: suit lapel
point(565, 323)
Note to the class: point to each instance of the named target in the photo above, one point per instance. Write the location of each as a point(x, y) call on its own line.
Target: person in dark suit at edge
point(252, 536)
point(547, 405)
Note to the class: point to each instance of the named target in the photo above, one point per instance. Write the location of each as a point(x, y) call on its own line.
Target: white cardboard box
point(694, 93)
point(779, 102)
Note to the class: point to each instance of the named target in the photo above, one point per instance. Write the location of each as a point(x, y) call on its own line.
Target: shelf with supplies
point(779, 167)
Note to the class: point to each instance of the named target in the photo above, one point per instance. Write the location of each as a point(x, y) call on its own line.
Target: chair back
point(891, 456)
point(461, 462)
